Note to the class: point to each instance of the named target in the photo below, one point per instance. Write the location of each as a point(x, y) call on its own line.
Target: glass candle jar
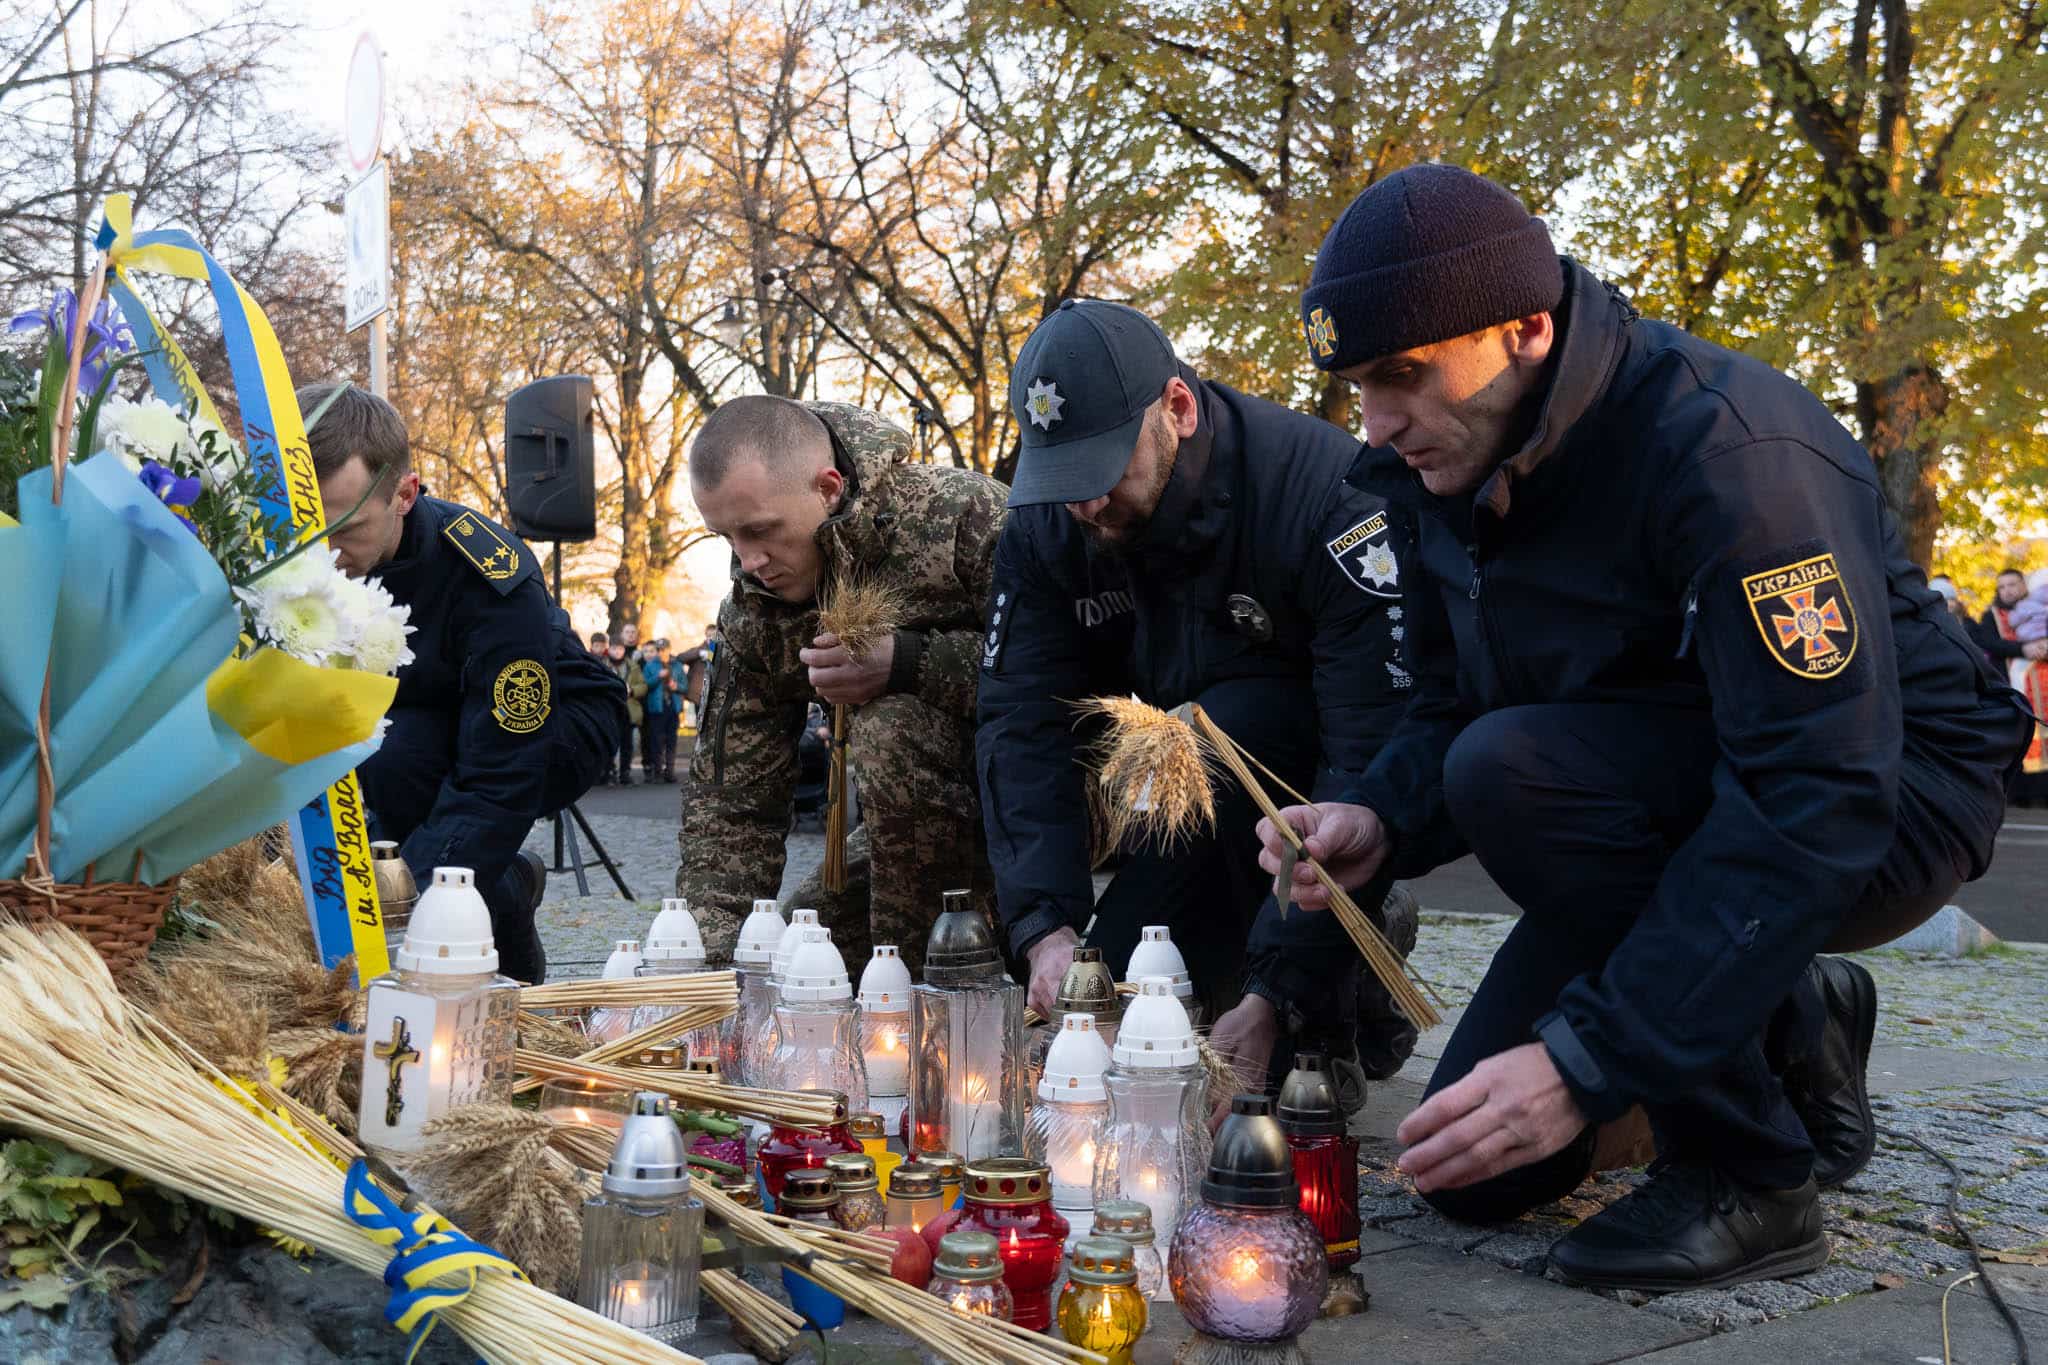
point(952, 1174)
point(1131, 1221)
point(912, 1198)
point(439, 1032)
point(1010, 1198)
point(1325, 1156)
point(1156, 955)
point(1154, 1143)
point(608, 1024)
point(793, 1149)
point(1064, 1126)
point(811, 1196)
point(860, 1200)
point(674, 947)
point(967, 1030)
point(1100, 1308)
point(817, 1027)
point(867, 1130)
point(967, 1273)
point(885, 1023)
point(743, 1040)
point(642, 1234)
point(586, 1102)
point(1246, 1264)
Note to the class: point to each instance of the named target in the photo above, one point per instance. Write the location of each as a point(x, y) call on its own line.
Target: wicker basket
point(119, 919)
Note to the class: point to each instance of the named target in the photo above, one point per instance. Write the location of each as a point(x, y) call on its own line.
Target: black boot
point(1692, 1227)
point(1821, 1055)
point(521, 954)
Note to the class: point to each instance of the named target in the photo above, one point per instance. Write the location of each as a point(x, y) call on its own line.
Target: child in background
point(2030, 615)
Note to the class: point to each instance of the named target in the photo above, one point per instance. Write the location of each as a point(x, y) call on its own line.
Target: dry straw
point(1141, 734)
point(81, 1065)
point(689, 988)
point(760, 1322)
point(493, 1169)
point(651, 1035)
point(796, 1108)
point(861, 612)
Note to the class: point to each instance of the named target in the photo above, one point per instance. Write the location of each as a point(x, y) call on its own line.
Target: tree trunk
point(1896, 414)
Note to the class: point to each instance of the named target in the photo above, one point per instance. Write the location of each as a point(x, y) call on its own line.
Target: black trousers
point(1574, 810)
point(403, 780)
point(658, 742)
point(625, 751)
point(1209, 891)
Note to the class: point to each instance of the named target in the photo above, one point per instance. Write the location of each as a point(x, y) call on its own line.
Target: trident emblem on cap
point(1043, 401)
point(1321, 331)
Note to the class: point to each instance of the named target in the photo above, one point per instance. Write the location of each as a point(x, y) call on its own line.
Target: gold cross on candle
point(397, 1052)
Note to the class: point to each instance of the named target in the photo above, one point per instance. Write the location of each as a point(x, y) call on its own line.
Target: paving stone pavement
point(1961, 1064)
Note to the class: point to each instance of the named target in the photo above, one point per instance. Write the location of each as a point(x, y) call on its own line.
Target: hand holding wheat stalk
point(1154, 770)
point(861, 612)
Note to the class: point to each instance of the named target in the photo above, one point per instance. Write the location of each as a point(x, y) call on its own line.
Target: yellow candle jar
point(1101, 1309)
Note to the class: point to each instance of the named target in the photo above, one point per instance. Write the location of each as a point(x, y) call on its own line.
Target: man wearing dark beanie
point(1679, 689)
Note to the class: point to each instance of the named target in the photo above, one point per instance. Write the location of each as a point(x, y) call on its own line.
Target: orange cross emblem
point(1802, 610)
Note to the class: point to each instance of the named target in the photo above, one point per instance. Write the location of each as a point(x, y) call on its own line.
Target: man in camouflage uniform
point(806, 493)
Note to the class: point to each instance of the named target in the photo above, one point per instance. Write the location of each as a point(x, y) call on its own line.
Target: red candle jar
point(1011, 1198)
point(789, 1149)
point(1325, 1156)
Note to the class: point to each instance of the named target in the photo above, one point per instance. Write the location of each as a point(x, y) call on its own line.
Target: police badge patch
point(519, 698)
point(1367, 559)
point(1803, 613)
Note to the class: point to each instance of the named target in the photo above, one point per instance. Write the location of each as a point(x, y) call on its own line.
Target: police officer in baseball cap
point(1173, 538)
point(1681, 691)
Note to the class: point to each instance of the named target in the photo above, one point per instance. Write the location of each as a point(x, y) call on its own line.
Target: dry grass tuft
point(497, 1177)
point(1152, 775)
point(862, 612)
point(555, 1036)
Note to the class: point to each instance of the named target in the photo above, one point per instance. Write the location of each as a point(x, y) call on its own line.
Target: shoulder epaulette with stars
point(491, 554)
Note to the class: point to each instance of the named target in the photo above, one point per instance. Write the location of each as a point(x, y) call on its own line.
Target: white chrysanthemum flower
point(305, 625)
point(147, 430)
point(380, 643)
point(313, 568)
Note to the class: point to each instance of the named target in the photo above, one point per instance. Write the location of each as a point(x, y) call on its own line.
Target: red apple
point(912, 1263)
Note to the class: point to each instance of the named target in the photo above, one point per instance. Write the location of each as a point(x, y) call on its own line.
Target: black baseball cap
point(1080, 389)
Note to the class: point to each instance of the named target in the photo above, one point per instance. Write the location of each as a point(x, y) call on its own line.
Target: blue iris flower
point(174, 490)
point(106, 333)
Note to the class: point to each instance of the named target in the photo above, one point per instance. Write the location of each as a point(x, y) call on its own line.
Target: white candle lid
point(450, 930)
point(1075, 1062)
point(759, 935)
point(624, 961)
point(673, 939)
point(816, 970)
point(885, 982)
point(1155, 1033)
point(1155, 955)
point(792, 934)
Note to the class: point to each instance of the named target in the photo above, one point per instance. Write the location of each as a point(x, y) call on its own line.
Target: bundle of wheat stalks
point(856, 1269)
point(1154, 770)
point(688, 989)
point(795, 1108)
point(81, 1065)
point(861, 612)
point(656, 1034)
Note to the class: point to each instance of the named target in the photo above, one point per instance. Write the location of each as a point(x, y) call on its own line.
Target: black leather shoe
point(1691, 1227)
point(521, 954)
point(1826, 1082)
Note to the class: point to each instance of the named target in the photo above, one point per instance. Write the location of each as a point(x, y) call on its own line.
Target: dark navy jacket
point(1257, 506)
point(500, 711)
point(1688, 527)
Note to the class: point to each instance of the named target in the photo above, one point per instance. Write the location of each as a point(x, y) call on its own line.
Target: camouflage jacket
point(929, 529)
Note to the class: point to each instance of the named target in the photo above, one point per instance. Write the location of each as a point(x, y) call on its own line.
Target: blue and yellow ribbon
point(330, 835)
point(434, 1266)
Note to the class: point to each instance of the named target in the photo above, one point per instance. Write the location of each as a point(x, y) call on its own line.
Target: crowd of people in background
point(2013, 633)
point(664, 688)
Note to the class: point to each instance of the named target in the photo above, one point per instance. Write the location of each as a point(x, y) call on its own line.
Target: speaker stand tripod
point(564, 830)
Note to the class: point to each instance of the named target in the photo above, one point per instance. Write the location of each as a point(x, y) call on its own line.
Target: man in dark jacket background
point(1680, 690)
point(1173, 538)
point(503, 717)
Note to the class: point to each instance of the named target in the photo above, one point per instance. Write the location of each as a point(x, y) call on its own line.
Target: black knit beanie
point(1428, 253)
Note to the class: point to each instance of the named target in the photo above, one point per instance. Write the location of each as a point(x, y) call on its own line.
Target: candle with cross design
point(440, 1026)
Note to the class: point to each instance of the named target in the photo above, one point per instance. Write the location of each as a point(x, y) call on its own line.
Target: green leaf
point(44, 1291)
point(82, 1227)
